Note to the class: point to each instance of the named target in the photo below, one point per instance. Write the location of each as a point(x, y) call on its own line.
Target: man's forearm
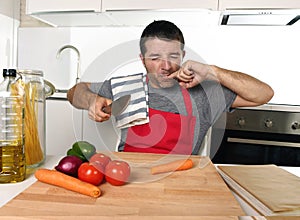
point(245, 86)
point(80, 95)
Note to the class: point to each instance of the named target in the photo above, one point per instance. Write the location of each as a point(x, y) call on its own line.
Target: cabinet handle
point(262, 142)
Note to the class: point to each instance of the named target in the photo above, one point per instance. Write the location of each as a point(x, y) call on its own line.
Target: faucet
point(78, 58)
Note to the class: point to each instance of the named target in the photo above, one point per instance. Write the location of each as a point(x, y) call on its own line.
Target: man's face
point(162, 58)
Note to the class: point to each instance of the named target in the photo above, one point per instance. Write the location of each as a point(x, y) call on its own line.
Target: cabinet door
point(37, 6)
point(63, 126)
point(256, 4)
point(157, 4)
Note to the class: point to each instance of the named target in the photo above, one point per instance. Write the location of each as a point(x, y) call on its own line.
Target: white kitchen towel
point(137, 111)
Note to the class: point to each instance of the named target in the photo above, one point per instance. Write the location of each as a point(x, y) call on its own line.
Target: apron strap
point(187, 101)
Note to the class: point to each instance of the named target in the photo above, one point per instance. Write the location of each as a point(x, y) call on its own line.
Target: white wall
point(37, 49)
point(269, 53)
point(8, 33)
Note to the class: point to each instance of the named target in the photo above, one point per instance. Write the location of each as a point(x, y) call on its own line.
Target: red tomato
point(91, 173)
point(100, 158)
point(117, 172)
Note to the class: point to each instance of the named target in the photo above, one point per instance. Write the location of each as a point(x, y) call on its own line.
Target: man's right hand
point(96, 105)
point(81, 97)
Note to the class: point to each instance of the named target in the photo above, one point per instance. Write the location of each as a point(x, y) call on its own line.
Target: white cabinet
point(142, 13)
point(258, 4)
point(110, 5)
point(66, 13)
point(63, 126)
point(39, 6)
point(103, 135)
point(66, 125)
point(51, 6)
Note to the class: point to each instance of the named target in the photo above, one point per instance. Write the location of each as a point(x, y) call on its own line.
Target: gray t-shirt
point(209, 101)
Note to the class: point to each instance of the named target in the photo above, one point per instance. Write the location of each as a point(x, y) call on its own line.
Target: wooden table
point(182, 194)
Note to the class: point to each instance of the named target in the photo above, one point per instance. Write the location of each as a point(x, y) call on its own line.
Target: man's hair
point(161, 29)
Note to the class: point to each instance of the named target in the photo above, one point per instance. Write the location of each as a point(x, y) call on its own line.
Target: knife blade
point(117, 106)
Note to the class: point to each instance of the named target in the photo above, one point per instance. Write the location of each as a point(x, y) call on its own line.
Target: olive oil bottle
point(12, 154)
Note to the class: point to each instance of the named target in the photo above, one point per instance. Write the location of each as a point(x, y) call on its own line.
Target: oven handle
point(262, 142)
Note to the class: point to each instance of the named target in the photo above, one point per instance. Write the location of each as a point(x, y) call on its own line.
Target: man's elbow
point(70, 95)
point(268, 95)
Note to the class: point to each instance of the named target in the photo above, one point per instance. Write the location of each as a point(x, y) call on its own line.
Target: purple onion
point(69, 165)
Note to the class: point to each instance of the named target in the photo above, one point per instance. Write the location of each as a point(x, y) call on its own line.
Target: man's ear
point(142, 59)
point(183, 54)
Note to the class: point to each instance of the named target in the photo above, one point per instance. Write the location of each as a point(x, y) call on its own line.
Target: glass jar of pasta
point(34, 120)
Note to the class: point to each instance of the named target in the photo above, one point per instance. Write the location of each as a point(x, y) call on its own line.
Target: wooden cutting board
point(270, 189)
point(190, 193)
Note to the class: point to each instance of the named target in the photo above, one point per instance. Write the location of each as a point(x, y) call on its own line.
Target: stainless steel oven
point(256, 136)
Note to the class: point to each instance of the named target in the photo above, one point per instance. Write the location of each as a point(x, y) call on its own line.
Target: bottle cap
point(9, 72)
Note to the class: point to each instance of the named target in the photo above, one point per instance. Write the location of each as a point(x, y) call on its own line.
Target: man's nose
point(166, 64)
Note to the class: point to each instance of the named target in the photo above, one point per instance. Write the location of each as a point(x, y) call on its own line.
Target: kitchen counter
point(9, 190)
point(203, 192)
point(275, 107)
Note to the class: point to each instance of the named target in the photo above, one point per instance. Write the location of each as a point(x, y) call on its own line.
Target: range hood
point(261, 17)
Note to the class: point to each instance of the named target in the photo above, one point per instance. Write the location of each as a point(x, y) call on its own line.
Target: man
point(184, 99)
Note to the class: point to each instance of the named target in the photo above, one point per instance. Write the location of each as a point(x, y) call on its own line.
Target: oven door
point(248, 147)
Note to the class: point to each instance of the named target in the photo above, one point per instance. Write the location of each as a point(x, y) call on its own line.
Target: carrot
point(71, 183)
point(176, 165)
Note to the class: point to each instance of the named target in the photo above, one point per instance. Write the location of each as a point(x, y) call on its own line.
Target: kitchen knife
point(117, 106)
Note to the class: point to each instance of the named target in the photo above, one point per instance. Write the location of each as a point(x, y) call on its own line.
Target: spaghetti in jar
point(34, 120)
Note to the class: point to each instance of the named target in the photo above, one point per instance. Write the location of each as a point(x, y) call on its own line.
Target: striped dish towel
point(137, 111)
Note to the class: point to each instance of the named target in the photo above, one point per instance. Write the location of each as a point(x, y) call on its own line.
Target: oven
point(258, 136)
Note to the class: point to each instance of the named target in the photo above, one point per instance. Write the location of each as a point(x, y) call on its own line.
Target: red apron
point(165, 133)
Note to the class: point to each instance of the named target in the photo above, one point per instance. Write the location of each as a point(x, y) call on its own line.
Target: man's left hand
point(191, 73)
